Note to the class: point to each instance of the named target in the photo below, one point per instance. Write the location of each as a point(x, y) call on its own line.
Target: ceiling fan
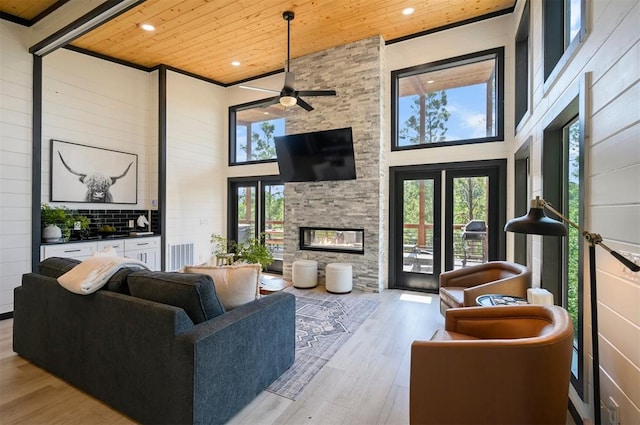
point(288, 96)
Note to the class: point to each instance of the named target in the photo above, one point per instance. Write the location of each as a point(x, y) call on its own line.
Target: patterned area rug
point(323, 323)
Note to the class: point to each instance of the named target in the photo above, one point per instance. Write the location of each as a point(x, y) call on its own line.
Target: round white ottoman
point(339, 278)
point(305, 274)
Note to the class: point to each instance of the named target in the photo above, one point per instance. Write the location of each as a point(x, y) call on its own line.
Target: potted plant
point(80, 224)
point(53, 218)
point(254, 251)
point(220, 245)
point(59, 221)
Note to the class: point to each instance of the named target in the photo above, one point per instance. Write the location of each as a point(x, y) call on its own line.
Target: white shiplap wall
point(15, 160)
point(196, 162)
point(608, 60)
point(98, 103)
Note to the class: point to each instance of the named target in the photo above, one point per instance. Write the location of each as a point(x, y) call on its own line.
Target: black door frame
point(496, 169)
point(398, 175)
point(258, 182)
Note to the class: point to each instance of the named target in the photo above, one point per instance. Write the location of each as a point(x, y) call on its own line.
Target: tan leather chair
point(461, 287)
point(494, 365)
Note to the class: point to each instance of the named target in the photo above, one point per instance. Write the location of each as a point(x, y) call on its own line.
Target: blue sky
point(467, 106)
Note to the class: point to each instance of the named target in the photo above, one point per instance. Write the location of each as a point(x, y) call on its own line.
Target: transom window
point(252, 131)
point(456, 101)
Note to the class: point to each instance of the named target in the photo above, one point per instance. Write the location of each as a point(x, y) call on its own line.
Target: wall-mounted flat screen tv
point(316, 156)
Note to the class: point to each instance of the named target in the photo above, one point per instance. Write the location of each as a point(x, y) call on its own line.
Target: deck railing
point(462, 250)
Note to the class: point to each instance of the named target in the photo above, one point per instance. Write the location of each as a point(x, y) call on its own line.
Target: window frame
point(232, 160)
point(555, 191)
point(556, 51)
point(495, 53)
point(522, 80)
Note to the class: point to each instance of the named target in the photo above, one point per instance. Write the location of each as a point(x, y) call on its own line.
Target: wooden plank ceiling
point(203, 36)
point(25, 9)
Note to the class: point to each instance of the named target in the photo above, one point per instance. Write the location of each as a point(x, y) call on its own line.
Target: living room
point(100, 103)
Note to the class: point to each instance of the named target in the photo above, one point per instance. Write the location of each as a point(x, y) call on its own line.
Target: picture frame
point(88, 174)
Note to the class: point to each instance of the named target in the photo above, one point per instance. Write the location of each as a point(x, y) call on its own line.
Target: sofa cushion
point(56, 266)
point(453, 296)
point(235, 285)
point(194, 293)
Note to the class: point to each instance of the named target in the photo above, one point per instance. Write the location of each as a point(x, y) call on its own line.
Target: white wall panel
point(15, 160)
point(618, 151)
point(98, 103)
point(196, 162)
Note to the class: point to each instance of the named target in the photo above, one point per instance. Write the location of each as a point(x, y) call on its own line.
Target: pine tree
point(435, 119)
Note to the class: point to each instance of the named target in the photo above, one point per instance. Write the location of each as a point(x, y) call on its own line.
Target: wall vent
point(180, 255)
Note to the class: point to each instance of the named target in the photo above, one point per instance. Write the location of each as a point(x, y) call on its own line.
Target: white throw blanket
point(94, 272)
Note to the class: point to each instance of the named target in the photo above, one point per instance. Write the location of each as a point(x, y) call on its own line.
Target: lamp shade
point(536, 223)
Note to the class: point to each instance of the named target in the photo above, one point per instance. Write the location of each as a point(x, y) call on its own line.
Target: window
point(564, 27)
point(563, 186)
point(451, 102)
point(522, 66)
point(252, 129)
point(522, 200)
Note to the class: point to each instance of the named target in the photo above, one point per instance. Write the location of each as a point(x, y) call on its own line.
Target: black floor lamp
point(537, 223)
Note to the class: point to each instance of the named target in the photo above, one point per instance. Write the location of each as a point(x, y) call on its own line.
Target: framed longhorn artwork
point(88, 174)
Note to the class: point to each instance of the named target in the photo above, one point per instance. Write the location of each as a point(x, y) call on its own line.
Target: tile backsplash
point(118, 219)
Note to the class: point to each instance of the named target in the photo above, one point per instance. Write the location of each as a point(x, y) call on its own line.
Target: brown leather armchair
point(490, 365)
point(461, 287)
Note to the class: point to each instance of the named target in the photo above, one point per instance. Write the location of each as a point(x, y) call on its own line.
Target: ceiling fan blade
point(259, 89)
point(269, 101)
point(305, 105)
point(317, 93)
point(289, 80)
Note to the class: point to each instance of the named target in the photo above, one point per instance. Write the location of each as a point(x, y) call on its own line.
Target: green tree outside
point(435, 119)
point(261, 148)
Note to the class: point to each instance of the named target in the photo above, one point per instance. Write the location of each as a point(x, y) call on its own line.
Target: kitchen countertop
point(102, 238)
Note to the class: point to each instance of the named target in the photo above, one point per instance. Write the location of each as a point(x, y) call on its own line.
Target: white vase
point(51, 233)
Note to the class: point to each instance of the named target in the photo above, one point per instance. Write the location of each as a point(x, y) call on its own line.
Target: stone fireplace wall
point(356, 72)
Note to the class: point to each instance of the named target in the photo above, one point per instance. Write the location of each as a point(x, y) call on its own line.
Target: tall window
point(252, 131)
point(522, 65)
point(563, 27)
point(455, 101)
point(563, 186)
point(572, 201)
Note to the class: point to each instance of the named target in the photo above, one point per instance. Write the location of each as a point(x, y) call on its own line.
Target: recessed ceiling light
point(147, 27)
point(235, 63)
point(430, 82)
point(408, 11)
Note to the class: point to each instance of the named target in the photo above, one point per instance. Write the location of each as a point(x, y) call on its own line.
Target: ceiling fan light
point(288, 101)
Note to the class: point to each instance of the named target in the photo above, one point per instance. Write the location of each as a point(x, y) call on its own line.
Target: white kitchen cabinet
point(116, 244)
point(145, 249)
point(79, 250)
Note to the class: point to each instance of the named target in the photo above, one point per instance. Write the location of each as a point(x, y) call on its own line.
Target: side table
point(271, 284)
point(499, 299)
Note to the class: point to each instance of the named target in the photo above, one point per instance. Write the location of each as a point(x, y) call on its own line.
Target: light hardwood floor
point(366, 382)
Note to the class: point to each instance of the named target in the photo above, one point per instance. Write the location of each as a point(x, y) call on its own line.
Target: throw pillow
point(194, 293)
point(235, 285)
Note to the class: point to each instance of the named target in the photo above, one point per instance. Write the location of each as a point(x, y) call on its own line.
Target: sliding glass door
point(256, 209)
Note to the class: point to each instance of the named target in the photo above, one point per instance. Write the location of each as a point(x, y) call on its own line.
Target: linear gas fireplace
point(332, 239)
